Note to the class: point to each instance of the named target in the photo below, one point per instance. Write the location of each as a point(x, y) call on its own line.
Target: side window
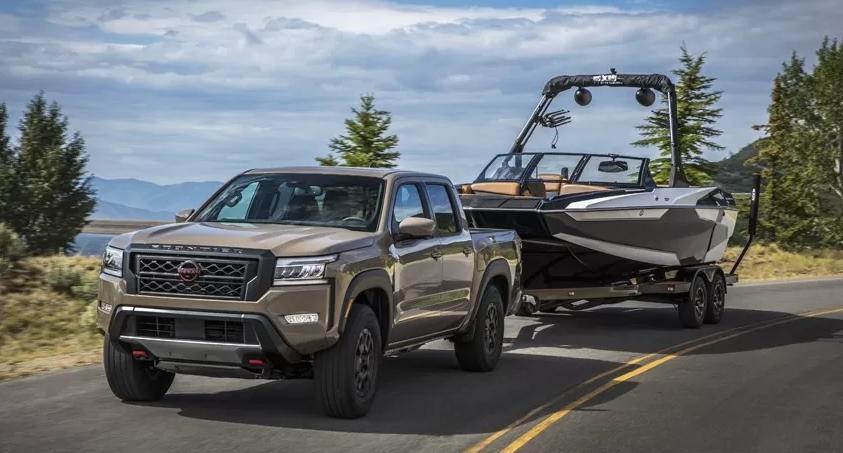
point(237, 206)
point(408, 203)
point(443, 209)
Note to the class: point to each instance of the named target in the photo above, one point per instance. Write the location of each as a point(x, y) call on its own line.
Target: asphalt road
point(762, 380)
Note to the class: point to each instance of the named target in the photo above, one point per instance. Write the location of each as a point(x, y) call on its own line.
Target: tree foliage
point(802, 159)
point(696, 114)
point(46, 196)
point(366, 143)
point(6, 159)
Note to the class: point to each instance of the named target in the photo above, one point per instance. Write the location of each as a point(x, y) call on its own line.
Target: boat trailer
point(698, 291)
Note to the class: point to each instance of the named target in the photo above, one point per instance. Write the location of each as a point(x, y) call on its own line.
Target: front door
point(418, 270)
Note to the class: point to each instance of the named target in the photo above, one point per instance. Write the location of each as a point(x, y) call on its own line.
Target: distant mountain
point(106, 210)
point(734, 174)
point(142, 200)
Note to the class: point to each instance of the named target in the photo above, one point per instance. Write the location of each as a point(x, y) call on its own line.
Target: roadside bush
point(77, 278)
point(12, 249)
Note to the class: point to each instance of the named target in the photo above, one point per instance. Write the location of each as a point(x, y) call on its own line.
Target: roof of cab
point(348, 171)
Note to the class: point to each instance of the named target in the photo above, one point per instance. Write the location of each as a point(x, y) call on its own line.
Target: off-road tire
point(345, 375)
point(130, 379)
point(692, 310)
point(482, 351)
point(716, 300)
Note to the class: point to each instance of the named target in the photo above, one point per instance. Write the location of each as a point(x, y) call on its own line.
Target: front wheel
point(346, 374)
point(130, 379)
point(482, 351)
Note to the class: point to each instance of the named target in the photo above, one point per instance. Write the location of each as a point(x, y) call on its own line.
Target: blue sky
point(169, 90)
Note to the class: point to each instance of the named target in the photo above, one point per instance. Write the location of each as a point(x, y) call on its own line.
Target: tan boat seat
point(552, 183)
point(567, 189)
point(533, 188)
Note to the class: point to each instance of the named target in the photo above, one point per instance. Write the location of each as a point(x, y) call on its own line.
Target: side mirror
point(416, 227)
point(183, 215)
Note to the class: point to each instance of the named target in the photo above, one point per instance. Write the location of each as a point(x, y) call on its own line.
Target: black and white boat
point(590, 220)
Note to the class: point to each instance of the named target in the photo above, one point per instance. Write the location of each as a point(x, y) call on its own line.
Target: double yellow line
point(667, 354)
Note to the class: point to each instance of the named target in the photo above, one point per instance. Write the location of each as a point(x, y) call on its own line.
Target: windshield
point(350, 202)
point(506, 167)
point(614, 170)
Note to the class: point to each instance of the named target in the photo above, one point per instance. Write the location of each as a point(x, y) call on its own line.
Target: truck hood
point(281, 240)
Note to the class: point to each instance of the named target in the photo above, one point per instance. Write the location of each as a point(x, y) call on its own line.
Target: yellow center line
point(561, 413)
point(502, 432)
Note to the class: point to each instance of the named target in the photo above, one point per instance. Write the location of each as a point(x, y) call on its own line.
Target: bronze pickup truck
point(305, 273)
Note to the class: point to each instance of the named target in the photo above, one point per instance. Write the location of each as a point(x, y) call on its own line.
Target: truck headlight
point(292, 271)
point(112, 261)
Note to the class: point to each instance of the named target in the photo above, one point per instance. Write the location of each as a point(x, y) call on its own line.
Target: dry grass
point(47, 315)
point(769, 262)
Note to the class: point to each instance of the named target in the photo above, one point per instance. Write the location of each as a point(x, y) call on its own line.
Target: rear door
point(457, 254)
point(417, 271)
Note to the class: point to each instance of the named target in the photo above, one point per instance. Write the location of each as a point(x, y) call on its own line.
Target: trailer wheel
point(716, 300)
point(692, 310)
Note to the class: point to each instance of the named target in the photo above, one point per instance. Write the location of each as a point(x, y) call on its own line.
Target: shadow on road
point(424, 392)
point(645, 330)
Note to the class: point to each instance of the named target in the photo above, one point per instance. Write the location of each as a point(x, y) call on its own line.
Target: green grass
point(47, 304)
point(47, 315)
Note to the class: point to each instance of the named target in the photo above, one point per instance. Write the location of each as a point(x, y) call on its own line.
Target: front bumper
point(265, 315)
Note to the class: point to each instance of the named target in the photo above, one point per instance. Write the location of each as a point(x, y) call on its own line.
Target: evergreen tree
point(52, 196)
point(365, 143)
point(6, 159)
point(696, 114)
point(803, 203)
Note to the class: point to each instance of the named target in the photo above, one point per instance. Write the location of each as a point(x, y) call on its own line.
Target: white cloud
point(276, 78)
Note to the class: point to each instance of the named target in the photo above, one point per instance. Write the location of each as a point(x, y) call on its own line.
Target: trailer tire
point(693, 309)
point(716, 300)
point(345, 375)
point(482, 351)
point(130, 379)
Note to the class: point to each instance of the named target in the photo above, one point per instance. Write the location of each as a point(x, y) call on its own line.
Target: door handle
point(436, 254)
point(467, 251)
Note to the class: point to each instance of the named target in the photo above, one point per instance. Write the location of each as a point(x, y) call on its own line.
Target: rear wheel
point(482, 351)
point(346, 374)
point(692, 310)
point(130, 379)
point(716, 300)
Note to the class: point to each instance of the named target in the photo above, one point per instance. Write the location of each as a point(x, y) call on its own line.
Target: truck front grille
point(155, 326)
point(217, 278)
point(225, 331)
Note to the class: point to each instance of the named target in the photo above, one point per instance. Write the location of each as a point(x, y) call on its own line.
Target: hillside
point(734, 175)
point(143, 200)
point(106, 210)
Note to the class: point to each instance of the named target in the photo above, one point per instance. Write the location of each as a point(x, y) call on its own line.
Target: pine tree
point(6, 159)
point(52, 196)
point(802, 204)
point(696, 113)
point(365, 143)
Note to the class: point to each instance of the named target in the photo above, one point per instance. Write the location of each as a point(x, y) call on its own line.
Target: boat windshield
point(600, 169)
point(507, 167)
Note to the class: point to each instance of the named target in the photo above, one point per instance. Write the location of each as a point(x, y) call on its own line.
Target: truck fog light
point(301, 318)
point(104, 307)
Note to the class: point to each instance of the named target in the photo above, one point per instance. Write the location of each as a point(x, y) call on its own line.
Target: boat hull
point(606, 240)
